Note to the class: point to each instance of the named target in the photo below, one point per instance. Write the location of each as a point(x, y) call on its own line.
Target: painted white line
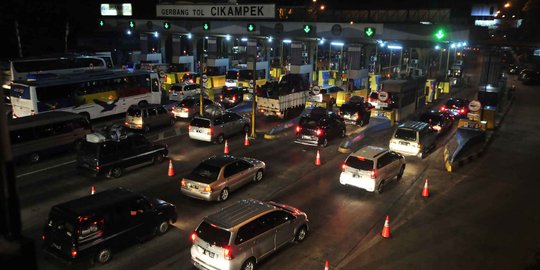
point(45, 169)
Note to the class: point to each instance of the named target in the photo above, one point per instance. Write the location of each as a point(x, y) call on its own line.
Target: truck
point(278, 99)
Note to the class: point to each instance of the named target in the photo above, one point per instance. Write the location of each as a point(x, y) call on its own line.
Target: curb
point(344, 150)
point(271, 136)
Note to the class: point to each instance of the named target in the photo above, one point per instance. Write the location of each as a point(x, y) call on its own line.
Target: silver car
point(239, 236)
point(216, 176)
point(218, 127)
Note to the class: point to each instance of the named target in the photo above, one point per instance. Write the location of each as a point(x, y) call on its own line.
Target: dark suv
point(232, 95)
point(317, 127)
point(102, 154)
point(356, 111)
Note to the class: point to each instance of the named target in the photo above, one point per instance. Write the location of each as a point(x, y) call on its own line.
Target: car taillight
point(298, 129)
point(462, 111)
point(43, 237)
point(319, 132)
point(97, 168)
point(437, 128)
point(189, 128)
point(185, 109)
point(443, 108)
point(207, 189)
point(227, 253)
point(343, 166)
point(373, 174)
point(234, 98)
point(173, 108)
point(193, 236)
point(210, 131)
point(73, 252)
point(183, 183)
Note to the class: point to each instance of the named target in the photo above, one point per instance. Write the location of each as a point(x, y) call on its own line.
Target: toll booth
point(216, 70)
point(443, 87)
point(398, 98)
point(326, 77)
point(262, 70)
point(374, 82)
point(490, 96)
point(151, 58)
point(431, 90)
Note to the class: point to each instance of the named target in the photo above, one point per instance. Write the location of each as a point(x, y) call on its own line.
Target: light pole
point(447, 63)
point(253, 58)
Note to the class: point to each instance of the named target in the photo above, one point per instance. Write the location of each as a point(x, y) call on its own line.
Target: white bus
point(44, 67)
point(92, 94)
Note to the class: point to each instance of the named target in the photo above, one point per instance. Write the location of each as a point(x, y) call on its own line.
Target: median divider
point(375, 124)
point(280, 129)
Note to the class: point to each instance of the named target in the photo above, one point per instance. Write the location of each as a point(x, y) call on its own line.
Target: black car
point(99, 225)
point(456, 107)
point(317, 127)
point(232, 95)
point(438, 121)
point(356, 111)
point(532, 77)
point(110, 154)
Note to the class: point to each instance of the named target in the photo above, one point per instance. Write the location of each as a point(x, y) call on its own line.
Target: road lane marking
point(45, 169)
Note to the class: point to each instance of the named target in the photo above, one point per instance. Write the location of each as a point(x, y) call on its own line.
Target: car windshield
point(200, 122)
point(59, 223)
point(213, 235)
point(405, 134)
point(206, 172)
point(176, 88)
point(309, 122)
point(97, 149)
point(188, 102)
point(231, 75)
point(455, 102)
point(135, 112)
point(359, 163)
point(191, 87)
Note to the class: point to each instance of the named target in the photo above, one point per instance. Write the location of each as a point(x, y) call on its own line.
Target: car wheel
point(115, 172)
point(421, 155)
point(159, 158)
point(224, 195)
point(143, 103)
point(163, 227)
point(380, 187)
point(258, 176)
point(301, 234)
point(400, 174)
point(104, 255)
point(246, 129)
point(146, 128)
point(324, 143)
point(34, 157)
point(248, 265)
point(220, 139)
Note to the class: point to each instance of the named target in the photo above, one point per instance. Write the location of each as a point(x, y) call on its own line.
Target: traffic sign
point(101, 23)
point(307, 28)
point(204, 78)
point(166, 25)
point(132, 24)
point(369, 32)
point(251, 27)
point(206, 26)
point(316, 90)
point(440, 34)
point(475, 106)
point(383, 96)
point(251, 83)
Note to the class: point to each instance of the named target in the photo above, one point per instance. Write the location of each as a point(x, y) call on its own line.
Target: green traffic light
point(307, 29)
point(251, 27)
point(440, 34)
point(101, 23)
point(166, 25)
point(369, 31)
point(131, 24)
point(206, 26)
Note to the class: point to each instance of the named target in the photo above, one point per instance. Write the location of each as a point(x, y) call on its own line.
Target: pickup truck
point(278, 99)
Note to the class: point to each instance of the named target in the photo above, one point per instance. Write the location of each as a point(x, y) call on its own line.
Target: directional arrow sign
point(440, 34)
point(101, 23)
point(206, 26)
point(166, 25)
point(131, 24)
point(369, 31)
point(250, 27)
point(307, 29)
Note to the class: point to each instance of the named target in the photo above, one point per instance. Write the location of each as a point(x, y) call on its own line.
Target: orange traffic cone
point(425, 191)
point(318, 159)
point(326, 266)
point(246, 141)
point(171, 169)
point(93, 190)
point(386, 229)
point(226, 150)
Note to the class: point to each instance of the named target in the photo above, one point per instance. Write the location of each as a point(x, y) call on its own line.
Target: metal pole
point(280, 60)
point(19, 45)
point(203, 68)
point(447, 62)
point(254, 99)
point(400, 59)
point(317, 62)
point(440, 62)
point(330, 57)
point(390, 62)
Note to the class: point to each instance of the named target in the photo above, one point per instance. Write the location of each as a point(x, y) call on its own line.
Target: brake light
point(343, 166)
point(97, 168)
point(193, 236)
point(207, 189)
point(462, 111)
point(319, 132)
point(183, 183)
point(227, 253)
point(189, 128)
point(73, 252)
point(173, 108)
point(234, 98)
point(373, 174)
point(211, 131)
point(185, 109)
point(437, 128)
point(443, 108)
point(43, 237)
point(298, 129)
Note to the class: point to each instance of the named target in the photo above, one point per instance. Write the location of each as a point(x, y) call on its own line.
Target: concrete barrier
point(278, 130)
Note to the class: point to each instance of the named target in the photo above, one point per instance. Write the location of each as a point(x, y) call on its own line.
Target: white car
point(179, 91)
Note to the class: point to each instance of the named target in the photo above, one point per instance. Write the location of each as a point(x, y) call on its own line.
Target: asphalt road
point(459, 227)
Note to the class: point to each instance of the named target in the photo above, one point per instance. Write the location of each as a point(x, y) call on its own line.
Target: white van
point(413, 138)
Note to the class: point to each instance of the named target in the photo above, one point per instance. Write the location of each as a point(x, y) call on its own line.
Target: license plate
point(193, 186)
point(56, 246)
point(306, 137)
point(211, 254)
point(404, 143)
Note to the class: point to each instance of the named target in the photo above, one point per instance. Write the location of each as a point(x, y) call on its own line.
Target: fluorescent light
point(244, 39)
point(189, 35)
point(156, 34)
point(321, 41)
point(287, 41)
point(437, 47)
point(228, 37)
point(452, 45)
point(394, 47)
point(337, 43)
point(270, 39)
point(425, 22)
point(128, 32)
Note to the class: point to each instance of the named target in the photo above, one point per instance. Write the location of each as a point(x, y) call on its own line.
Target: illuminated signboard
point(123, 9)
point(254, 11)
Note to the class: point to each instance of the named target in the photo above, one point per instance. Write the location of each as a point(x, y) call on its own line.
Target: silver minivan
point(239, 236)
point(413, 138)
point(148, 116)
point(218, 127)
